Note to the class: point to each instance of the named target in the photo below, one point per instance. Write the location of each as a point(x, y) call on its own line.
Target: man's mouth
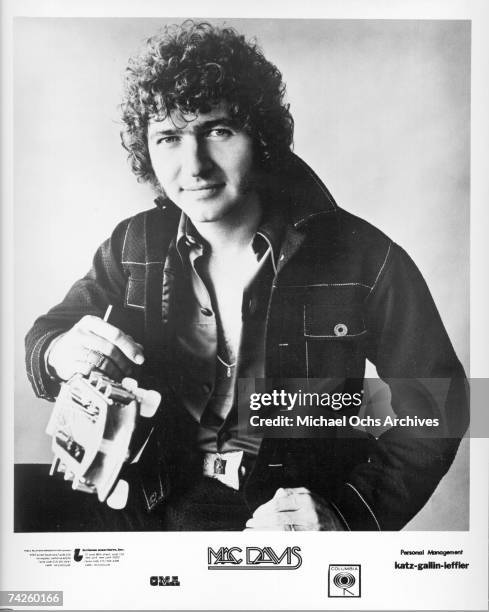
point(203, 192)
point(206, 187)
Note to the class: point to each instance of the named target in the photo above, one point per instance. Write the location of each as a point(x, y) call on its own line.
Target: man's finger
point(289, 503)
point(270, 525)
point(290, 499)
point(285, 500)
point(104, 365)
point(267, 508)
point(110, 369)
point(104, 347)
point(282, 521)
point(82, 367)
point(284, 492)
point(122, 341)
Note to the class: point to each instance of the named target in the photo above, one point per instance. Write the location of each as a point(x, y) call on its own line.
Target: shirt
point(209, 385)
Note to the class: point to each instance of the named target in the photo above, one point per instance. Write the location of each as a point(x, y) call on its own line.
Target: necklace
point(226, 365)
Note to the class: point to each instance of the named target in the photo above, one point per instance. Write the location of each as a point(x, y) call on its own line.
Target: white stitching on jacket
point(297, 224)
point(142, 263)
point(326, 285)
point(307, 360)
point(42, 390)
point(334, 335)
point(368, 507)
point(341, 514)
point(135, 305)
point(381, 268)
point(126, 297)
point(146, 497)
point(271, 252)
point(307, 347)
point(125, 238)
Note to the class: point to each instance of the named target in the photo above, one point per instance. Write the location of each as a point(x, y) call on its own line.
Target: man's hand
point(93, 344)
point(295, 510)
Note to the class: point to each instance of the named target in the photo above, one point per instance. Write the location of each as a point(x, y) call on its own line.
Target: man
point(247, 268)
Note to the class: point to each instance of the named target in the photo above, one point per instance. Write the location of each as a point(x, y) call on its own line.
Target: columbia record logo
point(344, 581)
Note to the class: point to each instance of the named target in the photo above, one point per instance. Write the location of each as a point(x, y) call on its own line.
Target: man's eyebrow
point(201, 127)
point(164, 132)
point(208, 125)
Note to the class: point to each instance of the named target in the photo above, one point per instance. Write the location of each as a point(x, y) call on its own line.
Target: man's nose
point(196, 159)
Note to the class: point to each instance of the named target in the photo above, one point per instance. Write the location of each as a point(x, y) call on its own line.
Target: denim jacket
point(334, 270)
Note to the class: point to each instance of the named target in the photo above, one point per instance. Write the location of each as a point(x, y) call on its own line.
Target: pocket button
point(340, 329)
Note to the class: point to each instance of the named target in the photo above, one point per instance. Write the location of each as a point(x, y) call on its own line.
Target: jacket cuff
point(353, 510)
point(44, 385)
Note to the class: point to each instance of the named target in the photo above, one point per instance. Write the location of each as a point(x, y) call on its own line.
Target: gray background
point(382, 112)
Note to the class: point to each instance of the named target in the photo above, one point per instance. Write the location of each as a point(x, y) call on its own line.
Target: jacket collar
point(306, 197)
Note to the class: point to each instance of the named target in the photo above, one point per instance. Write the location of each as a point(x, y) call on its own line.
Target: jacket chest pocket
point(334, 337)
point(322, 332)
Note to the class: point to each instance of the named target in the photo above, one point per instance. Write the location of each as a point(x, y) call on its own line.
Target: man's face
point(203, 163)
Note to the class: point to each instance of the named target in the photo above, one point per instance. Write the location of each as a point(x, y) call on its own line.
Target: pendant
point(219, 465)
point(229, 371)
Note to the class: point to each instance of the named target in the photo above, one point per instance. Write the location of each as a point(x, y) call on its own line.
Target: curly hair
point(193, 66)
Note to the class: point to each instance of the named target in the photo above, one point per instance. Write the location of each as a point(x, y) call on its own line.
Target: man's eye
point(167, 140)
point(220, 132)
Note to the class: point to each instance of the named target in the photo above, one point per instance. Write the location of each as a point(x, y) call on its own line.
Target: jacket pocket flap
point(135, 293)
point(135, 288)
point(333, 321)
